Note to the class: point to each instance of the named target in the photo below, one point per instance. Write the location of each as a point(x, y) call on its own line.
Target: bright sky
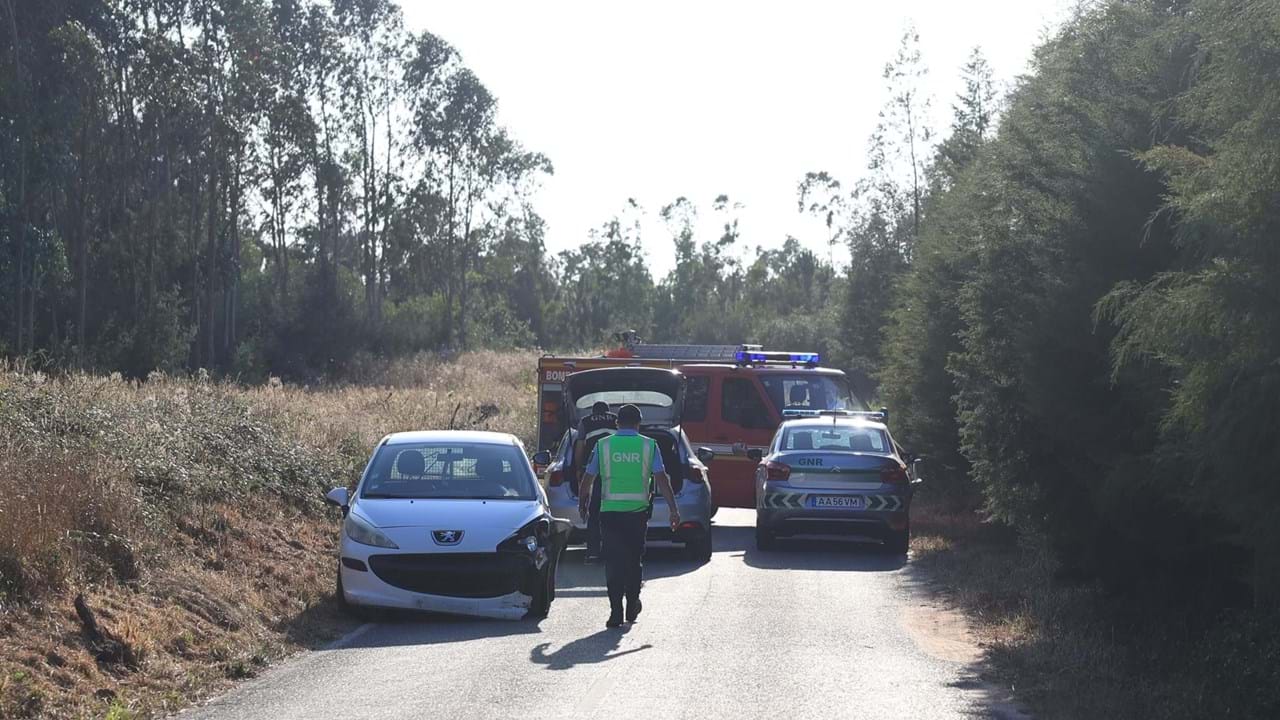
point(654, 99)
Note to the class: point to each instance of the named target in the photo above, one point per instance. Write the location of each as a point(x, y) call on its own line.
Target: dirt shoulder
point(236, 593)
point(1069, 650)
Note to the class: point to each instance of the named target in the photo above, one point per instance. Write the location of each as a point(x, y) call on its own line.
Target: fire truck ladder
point(703, 353)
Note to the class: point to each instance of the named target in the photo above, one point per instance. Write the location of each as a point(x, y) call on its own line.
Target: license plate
point(844, 502)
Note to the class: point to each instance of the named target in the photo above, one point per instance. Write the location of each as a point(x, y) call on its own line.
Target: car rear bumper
point(694, 503)
point(791, 511)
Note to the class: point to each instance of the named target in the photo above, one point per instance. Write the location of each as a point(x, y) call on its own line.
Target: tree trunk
point(20, 218)
point(211, 272)
point(233, 284)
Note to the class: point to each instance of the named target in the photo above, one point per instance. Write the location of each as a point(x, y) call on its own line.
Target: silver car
point(834, 473)
point(659, 393)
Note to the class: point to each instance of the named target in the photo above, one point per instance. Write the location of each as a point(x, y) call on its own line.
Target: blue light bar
point(880, 416)
point(755, 357)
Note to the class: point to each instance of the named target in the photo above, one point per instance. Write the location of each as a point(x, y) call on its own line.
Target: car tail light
point(777, 471)
point(894, 474)
point(556, 478)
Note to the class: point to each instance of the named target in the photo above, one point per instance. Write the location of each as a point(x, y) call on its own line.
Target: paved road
point(816, 629)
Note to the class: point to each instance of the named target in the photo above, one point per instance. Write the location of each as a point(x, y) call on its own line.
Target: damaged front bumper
point(498, 585)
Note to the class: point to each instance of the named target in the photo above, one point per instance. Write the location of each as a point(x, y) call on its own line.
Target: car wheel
point(765, 537)
point(897, 543)
point(540, 606)
point(555, 571)
point(700, 548)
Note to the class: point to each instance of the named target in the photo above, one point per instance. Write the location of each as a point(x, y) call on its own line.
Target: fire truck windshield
point(810, 392)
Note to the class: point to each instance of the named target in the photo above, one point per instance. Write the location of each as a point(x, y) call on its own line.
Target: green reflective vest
point(626, 464)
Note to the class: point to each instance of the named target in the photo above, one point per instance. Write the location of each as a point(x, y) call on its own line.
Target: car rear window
point(449, 471)
point(847, 438)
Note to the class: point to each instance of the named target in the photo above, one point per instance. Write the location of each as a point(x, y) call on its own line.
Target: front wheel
point(540, 607)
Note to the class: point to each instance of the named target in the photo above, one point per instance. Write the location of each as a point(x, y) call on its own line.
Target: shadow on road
point(852, 555)
point(589, 650)
point(395, 628)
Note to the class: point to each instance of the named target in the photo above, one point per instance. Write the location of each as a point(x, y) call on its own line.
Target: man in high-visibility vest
point(625, 462)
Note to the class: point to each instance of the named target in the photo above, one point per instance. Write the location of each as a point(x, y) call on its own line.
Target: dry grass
point(188, 513)
point(1071, 651)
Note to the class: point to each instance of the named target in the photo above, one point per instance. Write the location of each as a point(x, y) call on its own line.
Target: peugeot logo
point(446, 537)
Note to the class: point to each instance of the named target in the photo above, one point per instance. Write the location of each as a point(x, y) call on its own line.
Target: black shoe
point(615, 620)
point(633, 610)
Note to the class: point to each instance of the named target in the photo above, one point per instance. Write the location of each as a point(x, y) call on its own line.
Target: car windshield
point(449, 471)
point(847, 438)
point(810, 392)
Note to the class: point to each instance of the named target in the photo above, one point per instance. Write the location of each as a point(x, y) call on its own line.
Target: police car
point(833, 472)
point(452, 522)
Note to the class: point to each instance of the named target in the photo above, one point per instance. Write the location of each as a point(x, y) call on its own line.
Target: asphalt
point(816, 629)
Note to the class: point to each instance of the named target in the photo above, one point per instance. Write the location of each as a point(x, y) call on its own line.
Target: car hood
point(618, 386)
point(447, 514)
point(483, 524)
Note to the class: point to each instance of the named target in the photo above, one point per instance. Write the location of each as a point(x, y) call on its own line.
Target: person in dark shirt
point(600, 423)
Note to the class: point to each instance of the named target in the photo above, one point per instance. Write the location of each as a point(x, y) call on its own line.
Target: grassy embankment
point(188, 513)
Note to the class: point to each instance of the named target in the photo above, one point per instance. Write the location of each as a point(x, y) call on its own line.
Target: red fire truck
point(735, 397)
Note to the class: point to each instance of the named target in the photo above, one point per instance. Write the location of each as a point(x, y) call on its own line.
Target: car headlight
point(533, 539)
point(366, 534)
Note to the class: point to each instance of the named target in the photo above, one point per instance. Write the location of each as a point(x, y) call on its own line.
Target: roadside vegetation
point(187, 515)
point(1075, 649)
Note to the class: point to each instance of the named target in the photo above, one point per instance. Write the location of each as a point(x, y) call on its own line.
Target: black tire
point(700, 548)
point(766, 539)
point(555, 571)
point(544, 593)
point(898, 542)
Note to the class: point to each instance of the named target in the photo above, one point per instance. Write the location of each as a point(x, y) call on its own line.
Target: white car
point(452, 522)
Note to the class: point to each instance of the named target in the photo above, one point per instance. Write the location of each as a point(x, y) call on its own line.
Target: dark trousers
point(623, 536)
point(593, 520)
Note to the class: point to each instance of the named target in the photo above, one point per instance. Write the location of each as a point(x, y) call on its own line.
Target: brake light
point(777, 471)
point(556, 478)
point(894, 474)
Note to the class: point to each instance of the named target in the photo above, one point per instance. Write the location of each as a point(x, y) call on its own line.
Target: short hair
point(601, 407)
point(629, 415)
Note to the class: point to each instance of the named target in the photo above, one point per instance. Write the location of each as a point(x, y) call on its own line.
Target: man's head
point(629, 416)
point(600, 408)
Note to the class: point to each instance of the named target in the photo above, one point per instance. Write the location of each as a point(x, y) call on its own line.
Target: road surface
point(816, 629)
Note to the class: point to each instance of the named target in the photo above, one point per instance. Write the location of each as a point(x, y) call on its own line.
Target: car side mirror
point(338, 496)
point(542, 457)
point(755, 454)
point(706, 455)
